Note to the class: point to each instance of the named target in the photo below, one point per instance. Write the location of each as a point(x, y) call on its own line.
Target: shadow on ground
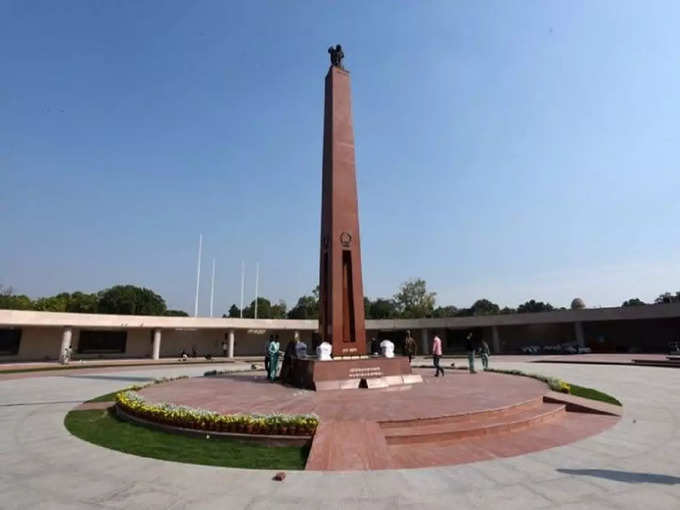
point(624, 476)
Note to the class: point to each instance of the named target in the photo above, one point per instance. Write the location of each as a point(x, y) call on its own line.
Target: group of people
point(295, 349)
point(386, 347)
point(471, 347)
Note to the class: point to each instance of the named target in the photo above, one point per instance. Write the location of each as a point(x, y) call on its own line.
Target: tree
point(279, 310)
point(81, 302)
point(58, 303)
point(307, 307)
point(633, 302)
point(264, 309)
point(445, 311)
point(234, 312)
point(507, 311)
point(484, 307)
point(131, 300)
point(11, 301)
point(413, 300)
point(176, 313)
point(381, 308)
point(667, 297)
point(535, 307)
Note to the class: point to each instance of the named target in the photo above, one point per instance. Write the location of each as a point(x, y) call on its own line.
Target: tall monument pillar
point(341, 292)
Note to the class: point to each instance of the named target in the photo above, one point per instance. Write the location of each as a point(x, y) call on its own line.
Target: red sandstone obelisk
point(341, 292)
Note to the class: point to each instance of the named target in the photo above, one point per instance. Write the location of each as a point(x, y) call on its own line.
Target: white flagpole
point(198, 273)
point(243, 285)
point(257, 281)
point(212, 288)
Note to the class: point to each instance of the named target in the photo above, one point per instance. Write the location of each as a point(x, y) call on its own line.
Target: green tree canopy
point(176, 313)
point(668, 297)
point(82, 302)
point(234, 312)
point(381, 308)
point(484, 307)
point(264, 309)
point(413, 300)
point(58, 303)
point(633, 302)
point(131, 300)
point(445, 311)
point(307, 307)
point(11, 301)
point(279, 310)
point(533, 306)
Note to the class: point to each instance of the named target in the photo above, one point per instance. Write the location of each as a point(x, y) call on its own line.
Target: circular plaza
point(632, 461)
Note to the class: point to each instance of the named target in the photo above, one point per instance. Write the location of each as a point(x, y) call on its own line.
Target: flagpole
point(198, 273)
point(243, 286)
point(212, 288)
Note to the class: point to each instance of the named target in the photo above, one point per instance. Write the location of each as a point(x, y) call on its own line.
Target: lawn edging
point(560, 386)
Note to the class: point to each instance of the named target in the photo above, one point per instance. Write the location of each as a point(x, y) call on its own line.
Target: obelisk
point(341, 292)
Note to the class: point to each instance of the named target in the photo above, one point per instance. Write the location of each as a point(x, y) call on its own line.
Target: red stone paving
point(451, 420)
point(458, 392)
point(572, 427)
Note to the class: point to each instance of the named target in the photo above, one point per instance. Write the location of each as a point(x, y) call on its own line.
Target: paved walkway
point(635, 464)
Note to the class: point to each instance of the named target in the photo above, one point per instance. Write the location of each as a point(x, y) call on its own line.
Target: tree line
point(412, 301)
point(119, 299)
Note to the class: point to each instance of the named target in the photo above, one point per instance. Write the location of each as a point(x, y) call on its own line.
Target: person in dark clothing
point(375, 346)
point(286, 368)
point(470, 348)
point(409, 346)
point(266, 353)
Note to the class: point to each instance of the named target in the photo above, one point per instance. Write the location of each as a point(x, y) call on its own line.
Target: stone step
point(474, 416)
point(476, 427)
point(348, 446)
point(572, 427)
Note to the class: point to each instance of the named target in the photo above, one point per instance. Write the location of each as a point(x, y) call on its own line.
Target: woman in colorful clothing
point(273, 351)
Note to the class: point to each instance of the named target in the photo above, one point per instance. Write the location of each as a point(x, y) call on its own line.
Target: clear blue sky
point(507, 150)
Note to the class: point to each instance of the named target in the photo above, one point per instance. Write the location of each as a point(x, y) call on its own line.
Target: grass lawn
point(108, 397)
point(101, 427)
point(581, 391)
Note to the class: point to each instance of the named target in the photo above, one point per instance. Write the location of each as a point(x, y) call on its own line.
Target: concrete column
point(230, 352)
point(156, 352)
point(578, 331)
point(495, 339)
point(424, 341)
point(66, 336)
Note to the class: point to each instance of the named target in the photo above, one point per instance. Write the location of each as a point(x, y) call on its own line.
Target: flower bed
point(554, 383)
point(173, 415)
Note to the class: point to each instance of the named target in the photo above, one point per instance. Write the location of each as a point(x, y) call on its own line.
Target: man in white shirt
point(387, 348)
point(323, 351)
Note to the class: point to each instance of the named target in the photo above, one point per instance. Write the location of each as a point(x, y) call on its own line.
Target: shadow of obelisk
point(341, 291)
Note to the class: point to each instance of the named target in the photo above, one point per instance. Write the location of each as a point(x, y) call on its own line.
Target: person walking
point(273, 351)
point(484, 353)
point(409, 346)
point(224, 348)
point(470, 348)
point(437, 355)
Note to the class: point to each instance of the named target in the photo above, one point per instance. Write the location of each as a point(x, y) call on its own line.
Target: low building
point(37, 336)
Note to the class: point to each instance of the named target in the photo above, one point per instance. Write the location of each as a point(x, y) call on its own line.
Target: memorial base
point(342, 374)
